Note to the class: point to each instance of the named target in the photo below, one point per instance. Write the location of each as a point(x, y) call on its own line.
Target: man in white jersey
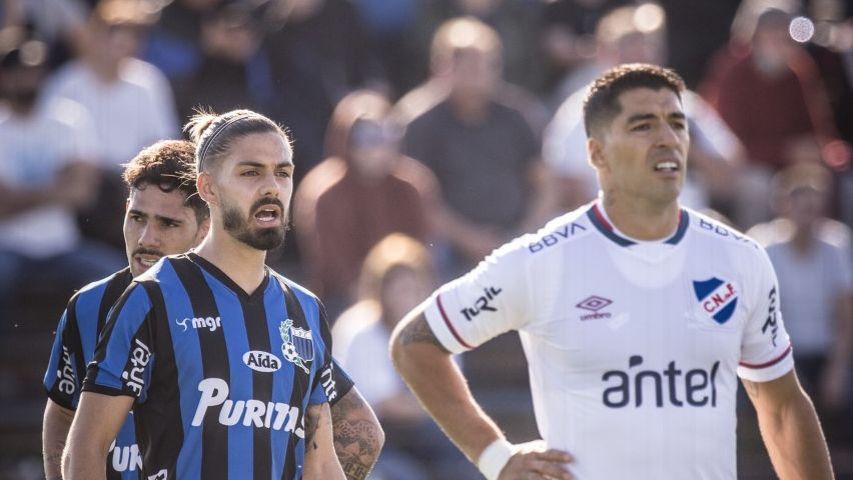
point(637, 317)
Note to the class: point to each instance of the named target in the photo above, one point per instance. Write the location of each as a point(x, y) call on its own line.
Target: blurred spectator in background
point(515, 23)
point(770, 93)
point(568, 37)
point(626, 35)
point(59, 23)
point(623, 35)
point(397, 274)
point(363, 191)
point(812, 258)
point(319, 53)
point(130, 102)
point(481, 148)
point(45, 175)
point(172, 44)
point(234, 71)
point(389, 27)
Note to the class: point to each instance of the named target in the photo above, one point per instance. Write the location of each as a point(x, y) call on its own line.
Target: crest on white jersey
point(718, 298)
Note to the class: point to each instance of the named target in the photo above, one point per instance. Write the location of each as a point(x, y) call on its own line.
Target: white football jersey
point(633, 348)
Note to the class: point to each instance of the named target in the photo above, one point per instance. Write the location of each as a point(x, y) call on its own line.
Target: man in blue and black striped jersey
point(260, 395)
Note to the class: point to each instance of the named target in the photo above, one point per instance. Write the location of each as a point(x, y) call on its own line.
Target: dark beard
point(259, 239)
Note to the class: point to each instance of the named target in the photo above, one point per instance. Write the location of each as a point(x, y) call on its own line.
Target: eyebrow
point(250, 163)
point(639, 117)
point(158, 217)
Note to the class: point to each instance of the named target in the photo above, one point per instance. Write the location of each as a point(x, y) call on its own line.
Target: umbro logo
point(593, 304)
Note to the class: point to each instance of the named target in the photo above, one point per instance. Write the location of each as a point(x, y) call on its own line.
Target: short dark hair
point(214, 133)
point(601, 104)
point(170, 165)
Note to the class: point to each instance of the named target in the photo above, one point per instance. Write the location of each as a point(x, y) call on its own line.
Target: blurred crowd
point(450, 125)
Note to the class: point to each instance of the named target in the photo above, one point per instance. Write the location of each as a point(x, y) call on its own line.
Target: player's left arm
point(358, 436)
point(321, 462)
point(790, 428)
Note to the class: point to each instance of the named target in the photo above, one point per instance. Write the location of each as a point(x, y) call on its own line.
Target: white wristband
point(494, 458)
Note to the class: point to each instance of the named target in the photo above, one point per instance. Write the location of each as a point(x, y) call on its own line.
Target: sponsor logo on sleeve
point(329, 384)
point(718, 298)
point(67, 378)
point(484, 303)
point(770, 324)
point(297, 345)
point(134, 372)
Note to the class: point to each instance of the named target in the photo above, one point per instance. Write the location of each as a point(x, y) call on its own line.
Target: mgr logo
point(718, 298)
point(209, 323)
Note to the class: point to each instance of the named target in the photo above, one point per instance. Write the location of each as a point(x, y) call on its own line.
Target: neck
point(467, 110)
point(240, 262)
point(104, 69)
point(802, 239)
point(641, 220)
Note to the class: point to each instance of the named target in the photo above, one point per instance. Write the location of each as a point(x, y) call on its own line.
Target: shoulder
point(715, 232)
point(560, 232)
point(305, 297)
point(95, 290)
point(143, 74)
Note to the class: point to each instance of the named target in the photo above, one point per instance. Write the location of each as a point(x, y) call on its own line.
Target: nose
point(668, 136)
point(149, 237)
point(270, 186)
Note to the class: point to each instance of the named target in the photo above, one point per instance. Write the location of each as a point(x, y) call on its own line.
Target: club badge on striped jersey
point(297, 344)
point(718, 298)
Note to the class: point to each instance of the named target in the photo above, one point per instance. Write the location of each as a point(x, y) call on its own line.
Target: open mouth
point(147, 260)
point(668, 166)
point(268, 214)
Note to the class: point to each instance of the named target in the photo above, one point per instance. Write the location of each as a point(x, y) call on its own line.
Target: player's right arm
point(492, 299)
point(97, 422)
point(429, 370)
point(117, 376)
point(55, 427)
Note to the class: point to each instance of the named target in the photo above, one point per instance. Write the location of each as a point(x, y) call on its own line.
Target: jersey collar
point(599, 220)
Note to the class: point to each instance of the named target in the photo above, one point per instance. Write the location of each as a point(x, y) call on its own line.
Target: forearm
point(439, 385)
point(56, 423)
point(795, 441)
point(321, 463)
point(358, 436)
point(84, 460)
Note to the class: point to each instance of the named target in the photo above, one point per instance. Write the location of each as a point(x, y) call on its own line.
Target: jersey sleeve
point(124, 357)
point(765, 347)
point(324, 389)
point(65, 370)
point(490, 300)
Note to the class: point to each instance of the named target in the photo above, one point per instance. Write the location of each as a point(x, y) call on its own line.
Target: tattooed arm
point(358, 437)
point(320, 460)
point(433, 376)
point(790, 428)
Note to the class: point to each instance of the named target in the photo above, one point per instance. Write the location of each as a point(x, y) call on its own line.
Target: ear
point(203, 228)
point(595, 154)
point(207, 189)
